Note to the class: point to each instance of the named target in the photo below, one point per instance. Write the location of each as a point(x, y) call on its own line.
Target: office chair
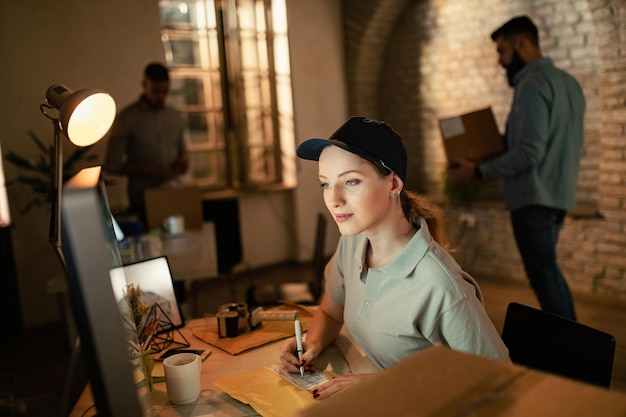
point(316, 285)
point(550, 343)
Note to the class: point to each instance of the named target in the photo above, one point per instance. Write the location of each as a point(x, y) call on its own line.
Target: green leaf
point(37, 141)
point(21, 162)
point(461, 195)
point(42, 165)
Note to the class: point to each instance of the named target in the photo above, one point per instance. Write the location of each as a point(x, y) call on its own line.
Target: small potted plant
point(141, 328)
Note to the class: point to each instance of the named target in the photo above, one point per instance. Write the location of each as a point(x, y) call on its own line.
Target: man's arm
point(463, 172)
point(528, 132)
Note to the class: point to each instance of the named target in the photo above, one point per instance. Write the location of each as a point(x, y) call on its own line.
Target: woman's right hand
point(289, 359)
point(322, 330)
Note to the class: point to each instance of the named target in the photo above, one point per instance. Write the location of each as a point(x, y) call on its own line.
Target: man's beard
point(516, 64)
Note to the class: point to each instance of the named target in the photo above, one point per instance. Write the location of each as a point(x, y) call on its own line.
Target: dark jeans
point(536, 230)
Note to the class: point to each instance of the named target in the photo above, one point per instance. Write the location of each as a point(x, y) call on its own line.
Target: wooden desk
point(438, 382)
point(214, 402)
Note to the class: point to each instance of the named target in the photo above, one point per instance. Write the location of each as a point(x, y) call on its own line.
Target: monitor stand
point(75, 381)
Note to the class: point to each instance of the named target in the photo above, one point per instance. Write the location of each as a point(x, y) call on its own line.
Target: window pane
point(204, 130)
point(279, 17)
point(260, 159)
point(195, 93)
point(199, 50)
point(259, 88)
point(252, 90)
point(249, 52)
point(260, 128)
point(208, 168)
point(245, 15)
point(215, 91)
point(281, 55)
point(261, 165)
point(213, 51)
point(182, 52)
point(187, 92)
point(180, 14)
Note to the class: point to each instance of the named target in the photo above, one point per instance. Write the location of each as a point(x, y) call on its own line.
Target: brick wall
point(410, 62)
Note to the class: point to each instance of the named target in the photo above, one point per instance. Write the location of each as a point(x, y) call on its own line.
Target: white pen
point(299, 349)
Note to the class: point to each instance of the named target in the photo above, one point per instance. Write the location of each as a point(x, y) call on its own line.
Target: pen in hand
point(299, 349)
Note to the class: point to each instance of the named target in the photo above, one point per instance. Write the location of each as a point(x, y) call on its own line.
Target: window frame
point(252, 120)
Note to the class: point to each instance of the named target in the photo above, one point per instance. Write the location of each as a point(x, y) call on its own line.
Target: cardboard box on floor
point(171, 200)
point(472, 136)
point(442, 382)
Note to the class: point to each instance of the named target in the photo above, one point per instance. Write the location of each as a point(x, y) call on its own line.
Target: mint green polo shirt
point(420, 299)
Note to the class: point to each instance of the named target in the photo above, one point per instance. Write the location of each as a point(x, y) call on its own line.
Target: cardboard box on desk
point(472, 136)
point(170, 200)
point(443, 382)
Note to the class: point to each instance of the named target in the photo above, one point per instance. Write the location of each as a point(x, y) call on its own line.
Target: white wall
point(320, 101)
point(98, 44)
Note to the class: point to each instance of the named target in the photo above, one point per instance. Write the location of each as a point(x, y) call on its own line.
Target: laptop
point(154, 279)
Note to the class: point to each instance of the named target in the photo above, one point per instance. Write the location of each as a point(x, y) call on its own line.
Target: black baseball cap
point(370, 139)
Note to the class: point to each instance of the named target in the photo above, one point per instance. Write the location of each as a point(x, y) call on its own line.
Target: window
point(230, 78)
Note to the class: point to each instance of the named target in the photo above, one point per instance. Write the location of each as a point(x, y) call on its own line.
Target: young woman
point(391, 280)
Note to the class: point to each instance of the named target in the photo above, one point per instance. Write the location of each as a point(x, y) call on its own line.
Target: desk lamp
point(84, 116)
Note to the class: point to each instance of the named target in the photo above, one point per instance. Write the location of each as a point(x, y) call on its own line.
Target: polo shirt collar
point(409, 258)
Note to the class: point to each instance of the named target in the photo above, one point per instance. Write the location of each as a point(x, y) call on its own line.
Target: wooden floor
point(601, 312)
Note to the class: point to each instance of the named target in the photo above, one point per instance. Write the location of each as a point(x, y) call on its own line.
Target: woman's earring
point(396, 195)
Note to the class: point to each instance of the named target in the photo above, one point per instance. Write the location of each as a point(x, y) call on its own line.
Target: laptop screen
point(153, 277)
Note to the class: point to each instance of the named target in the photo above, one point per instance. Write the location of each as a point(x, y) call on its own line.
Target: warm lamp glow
point(5, 214)
point(85, 115)
point(85, 178)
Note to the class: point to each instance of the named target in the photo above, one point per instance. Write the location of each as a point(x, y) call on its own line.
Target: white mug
point(182, 377)
point(174, 225)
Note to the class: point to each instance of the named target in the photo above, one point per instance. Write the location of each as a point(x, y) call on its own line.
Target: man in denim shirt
point(544, 137)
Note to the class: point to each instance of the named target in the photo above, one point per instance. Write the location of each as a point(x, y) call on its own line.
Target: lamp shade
point(85, 115)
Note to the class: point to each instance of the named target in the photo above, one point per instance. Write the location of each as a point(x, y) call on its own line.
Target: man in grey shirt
point(544, 138)
point(146, 141)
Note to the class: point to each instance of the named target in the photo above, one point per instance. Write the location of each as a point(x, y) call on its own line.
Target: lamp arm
point(79, 130)
point(42, 109)
point(55, 219)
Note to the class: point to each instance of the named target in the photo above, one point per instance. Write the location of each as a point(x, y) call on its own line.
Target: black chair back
point(319, 258)
point(551, 343)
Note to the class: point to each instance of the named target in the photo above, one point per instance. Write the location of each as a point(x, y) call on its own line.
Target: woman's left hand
point(336, 385)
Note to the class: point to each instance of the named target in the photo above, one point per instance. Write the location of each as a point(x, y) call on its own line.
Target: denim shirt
point(544, 136)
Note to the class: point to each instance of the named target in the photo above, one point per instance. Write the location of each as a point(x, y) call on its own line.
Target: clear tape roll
point(258, 315)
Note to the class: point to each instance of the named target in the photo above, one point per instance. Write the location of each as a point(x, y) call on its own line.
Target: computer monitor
point(91, 251)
